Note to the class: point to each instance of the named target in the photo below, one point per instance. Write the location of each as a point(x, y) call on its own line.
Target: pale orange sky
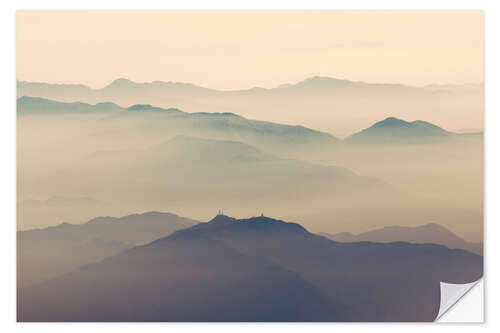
point(237, 50)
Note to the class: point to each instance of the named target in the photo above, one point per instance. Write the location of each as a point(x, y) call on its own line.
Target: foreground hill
point(46, 253)
point(256, 269)
point(428, 233)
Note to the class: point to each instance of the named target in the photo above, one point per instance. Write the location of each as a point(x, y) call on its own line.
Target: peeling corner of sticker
point(451, 293)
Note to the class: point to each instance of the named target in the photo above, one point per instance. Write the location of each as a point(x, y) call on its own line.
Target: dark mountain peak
point(255, 219)
point(222, 226)
point(224, 219)
point(268, 226)
point(261, 219)
point(221, 218)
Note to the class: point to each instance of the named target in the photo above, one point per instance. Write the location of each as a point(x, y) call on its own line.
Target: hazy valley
point(145, 158)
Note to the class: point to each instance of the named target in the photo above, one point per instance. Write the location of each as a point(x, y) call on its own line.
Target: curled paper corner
point(451, 293)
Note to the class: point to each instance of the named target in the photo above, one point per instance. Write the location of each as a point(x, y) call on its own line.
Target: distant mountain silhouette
point(45, 253)
point(428, 233)
point(256, 269)
point(230, 126)
point(127, 85)
point(226, 126)
point(218, 125)
point(314, 102)
point(41, 106)
point(396, 131)
point(123, 85)
point(321, 84)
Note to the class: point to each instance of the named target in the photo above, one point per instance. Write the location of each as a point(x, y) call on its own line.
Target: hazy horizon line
point(339, 137)
point(236, 218)
point(252, 87)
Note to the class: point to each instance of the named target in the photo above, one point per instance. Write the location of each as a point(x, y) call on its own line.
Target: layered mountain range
point(183, 148)
point(427, 233)
point(326, 103)
point(49, 252)
point(228, 125)
point(156, 123)
point(145, 157)
point(256, 269)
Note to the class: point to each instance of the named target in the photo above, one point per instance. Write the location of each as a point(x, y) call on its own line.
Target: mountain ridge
point(317, 96)
point(427, 233)
point(394, 130)
point(250, 270)
point(66, 246)
point(314, 80)
point(28, 104)
point(311, 79)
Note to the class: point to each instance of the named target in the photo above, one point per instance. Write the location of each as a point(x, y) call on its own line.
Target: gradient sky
point(237, 50)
